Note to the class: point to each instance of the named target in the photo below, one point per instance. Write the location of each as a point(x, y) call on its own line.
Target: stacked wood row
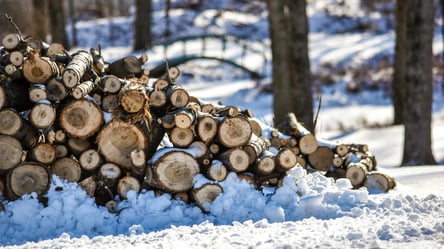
point(112, 129)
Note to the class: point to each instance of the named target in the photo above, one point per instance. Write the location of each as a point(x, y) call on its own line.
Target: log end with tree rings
point(67, 168)
point(175, 170)
point(285, 160)
point(234, 131)
point(133, 101)
point(27, 178)
point(356, 173)
point(265, 165)
point(56, 90)
point(184, 118)
point(216, 171)
point(207, 128)
point(16, 58)
point(341, 149)
point(178, 96)
point(108, 175)
point(118, 139)
point(181, 137)
point(110, 84)
point(126, 184)
point(308, 144)
point(70, 78)
point(90, 160)
point(81, 118)
point(43, 153)
point(38, 92)
point(322, 158)
point(206, 194)
point(10, 122)
point(11, 41)
point(158, 99)
point(38, 69)
point(379, 181)
point(42, 115)
point(11, 152)
point(235, 159)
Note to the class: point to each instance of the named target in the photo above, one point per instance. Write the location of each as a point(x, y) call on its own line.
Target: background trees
point(291, 66)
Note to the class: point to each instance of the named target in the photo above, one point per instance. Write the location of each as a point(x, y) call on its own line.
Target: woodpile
point(112, 129)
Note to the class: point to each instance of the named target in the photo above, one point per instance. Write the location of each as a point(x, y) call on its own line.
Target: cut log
point(108, 175)
point(235, 159)
point(255, 147)
point(44, 153)
point(89, 184)
point(81, 118)
point(126, 184)
point(90, 160)
point(83, 89)
point(11, 152)
point(61, 150)
point(206, 194)
point(356, 173)
point(285, 160)
point(26, 178)
point(13, 41)
point(111, 84)
point(55, 48)
point(38, 92)
point(158, 99)
point(379, 181)
point(216, 171)
point(338, 161)
point(256, 127)
point(16, 58)
point(171, 171)
point(13, 124)
point(206, 128)
point(341, 150)
point(234, 131)
point(14, 94)
point(116, 141)
point(184, 117)
point(138, 163)
point(181, 137)
point(127, 67)
point(56, 90)
point(177, 96)
point(133, 98)
point(38, 69)
point(80, 64)
point(290, 126)
point(322, 158)
point(110, 102)
point(42, 115)
point(264, 165)
point(67, 168)
point(308, 144)
point(78, 146)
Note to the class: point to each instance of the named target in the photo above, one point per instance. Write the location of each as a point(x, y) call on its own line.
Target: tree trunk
point(57, 22)
point(142, 25)
point(417, 113)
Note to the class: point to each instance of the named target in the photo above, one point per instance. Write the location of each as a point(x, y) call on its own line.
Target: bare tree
point(39, 15)
point(142, 25)
point(417, 107)
point(292, 84)
point(57, 22)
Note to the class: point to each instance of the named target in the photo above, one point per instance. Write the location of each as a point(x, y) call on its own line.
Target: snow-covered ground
point(309, 211)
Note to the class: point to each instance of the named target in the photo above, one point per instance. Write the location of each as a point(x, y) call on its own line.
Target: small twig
point(317, 113)
point(167, 69)
point(13, 24)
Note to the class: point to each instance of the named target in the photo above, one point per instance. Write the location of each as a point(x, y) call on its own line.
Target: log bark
point(43, 115)
point(255, 147)
point(80, 64)
point(116, 141)
point(81, 118)
point(14, 94)
point(38, 69)
point(11, 152)
point(172, 171)
point(126, 67)
point(290, 126)
point(322, 158)
point(67, 168)
point(108, 175)
point(26, 178)
point(138, 163)
point(89, 184)
point(234, 131)
point(83, 89)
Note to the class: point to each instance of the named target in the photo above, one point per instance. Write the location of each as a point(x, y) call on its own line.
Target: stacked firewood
point(112, 128)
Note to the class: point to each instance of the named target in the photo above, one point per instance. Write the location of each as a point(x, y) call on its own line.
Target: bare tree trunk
point(73, 20)
point(291, 66)
point(40, 18)
point(57, 22)
point(400, 60)
point(417, 113)
point(142, 25)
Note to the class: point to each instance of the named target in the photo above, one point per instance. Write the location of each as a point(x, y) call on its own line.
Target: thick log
point(80, 64)
point(81, 118)
point(90, 160)
point(171, 171)
point(322, 158)
point(14, 94)
point(126, 184)
point(379, 181)
point(44, 153)
point(67, 168)
point(181, 137)
point(235, 159)
point(206, 194)
point(285, 160)
point(11, 152)
point(133, 98)
point(13, 124)
point(234, 131)
point(264, 165)
point(38, 69)
point(43, 115)
point(206, 129)
point(26, 178)
point(308, 144)
point(127, 67)
point(116, 141)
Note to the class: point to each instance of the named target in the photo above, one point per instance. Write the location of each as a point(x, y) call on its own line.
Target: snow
point(308, 211)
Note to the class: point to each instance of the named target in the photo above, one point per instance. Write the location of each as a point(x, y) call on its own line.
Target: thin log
point(83, 89)
point(264, 165)
point(357, 174)
point(177, 96)
point(13, 41)
point(80, 64)
point(77, 146)
point(111, 84)
point(89, 184)
point(216, 171)
point(290, 125)
point(43, 153)
point(308, 144)
point(108, 175)
point(206, 129)
point(38, 92)
point(90, 160)
point(81, 118)
point(255, 147)
point(126, 184)
point(138, 163)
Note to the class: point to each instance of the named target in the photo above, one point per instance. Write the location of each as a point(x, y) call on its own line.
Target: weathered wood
point(177, 96)
point(126, 67)
point(43, 114)
point(116, 141)
point(14, 94)
point(133, 98)
point(181, 137)
point(11, 152)
point(13, 124)
point(26, 178)
point(108, 175)
point(89, 184)
point(322, 158)
point(38, 69)
point(138, 163)
point(67, 168)
point(56, 90)
point(356, 173)
point(379, 181)
point(264, 165)
point(126, 184)
point(81, 118)
point(43, 153)
point(255, 147)
point(290, 126)
point(172, 171)
point(73, 72)
point(234, 131)
point(235, 159)
point(111, 84)
point(206, 194)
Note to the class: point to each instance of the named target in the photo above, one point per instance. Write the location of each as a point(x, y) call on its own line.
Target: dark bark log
point(13, 124)
point(14, 94)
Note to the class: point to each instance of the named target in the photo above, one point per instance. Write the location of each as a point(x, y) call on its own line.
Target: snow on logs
point(113, 130)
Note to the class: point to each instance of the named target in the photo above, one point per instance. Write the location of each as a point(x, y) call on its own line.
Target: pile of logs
point(112, 128)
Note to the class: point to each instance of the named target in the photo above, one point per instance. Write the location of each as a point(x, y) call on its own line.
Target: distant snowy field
point(309, 211)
